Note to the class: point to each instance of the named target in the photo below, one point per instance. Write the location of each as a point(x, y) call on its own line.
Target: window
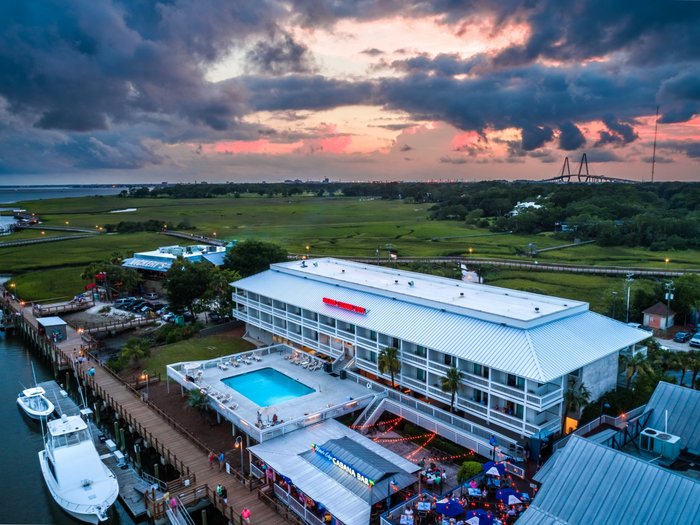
point(480, 370)
point(447, 359)
point(421, 351)
point(515, 381)
point(420, 374)
point(481, 397)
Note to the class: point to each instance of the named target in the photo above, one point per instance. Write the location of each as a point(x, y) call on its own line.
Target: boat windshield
point(70, 439)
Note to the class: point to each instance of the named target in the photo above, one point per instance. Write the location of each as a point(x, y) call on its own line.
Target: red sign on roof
point(345, 306)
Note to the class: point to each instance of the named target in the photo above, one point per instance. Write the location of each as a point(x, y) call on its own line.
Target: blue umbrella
point(494, 469)
point(479, 517)
point(450, 508)
point(509, 496)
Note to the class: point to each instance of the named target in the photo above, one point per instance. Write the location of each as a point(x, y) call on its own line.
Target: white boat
point(78, 480)
point(34, 403)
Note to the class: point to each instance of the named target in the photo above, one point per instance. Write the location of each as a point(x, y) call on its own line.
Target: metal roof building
point(529, 335)
point(594, 484)
point(677, 410)
point(304, 456)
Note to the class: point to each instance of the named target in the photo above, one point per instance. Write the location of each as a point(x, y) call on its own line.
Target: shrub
point(468, 470)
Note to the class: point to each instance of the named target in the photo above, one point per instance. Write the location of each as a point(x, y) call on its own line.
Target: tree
point(198, 399)
point(218, 296)
point(632, 364)
point(576, 396)
point(388, 361)
point(186, 284)
point(450, 383)
point(115, 275)
point(134, 350)
point(467, 470)
point(695, 369)
point(251, 257)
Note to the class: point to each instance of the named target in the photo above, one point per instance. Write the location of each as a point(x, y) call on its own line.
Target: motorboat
point(76, 477)
point(34, 403)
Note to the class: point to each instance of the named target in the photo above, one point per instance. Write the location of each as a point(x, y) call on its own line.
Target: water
point(25, 496)
point(267, 387)
point(32, 193)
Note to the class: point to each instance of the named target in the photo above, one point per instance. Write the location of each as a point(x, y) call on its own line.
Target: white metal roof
point(543, 352)
point(676, 409)
point(591, 483)
point(491, 303)
point(283, 455)
point(51, 321)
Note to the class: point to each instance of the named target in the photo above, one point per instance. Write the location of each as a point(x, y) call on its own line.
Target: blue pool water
point(267, 386)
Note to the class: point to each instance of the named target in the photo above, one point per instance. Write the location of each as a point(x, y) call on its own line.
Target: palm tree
point(388, 361)
point(633, 364)
point(695, 369)
point(450, 383)
point(575, 397)
point(199, 400)
point(134, 350)
point(685, 362)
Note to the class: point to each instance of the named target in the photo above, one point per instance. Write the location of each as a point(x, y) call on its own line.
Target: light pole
point(614, 294)
point(471, 250)
point(666, 261)
point(388, 493)
point(308, 248)
point(144, 376)
point(628, 280)
point(670, 287)
point(238, 443)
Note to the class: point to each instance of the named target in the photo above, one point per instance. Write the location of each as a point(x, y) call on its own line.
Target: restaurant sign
point(342, 465)
point(345, 306)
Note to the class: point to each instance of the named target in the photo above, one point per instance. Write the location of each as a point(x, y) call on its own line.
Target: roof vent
point(411, 283)
point(537, 309)
point(303, 264)
point(396, 281)
point(315, 265)
point(342, 271)
point(461, 294)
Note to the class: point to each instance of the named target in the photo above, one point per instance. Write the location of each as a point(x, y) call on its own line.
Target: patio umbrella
point(479, 517)
point(494, 469)
point(450, 508)
point(509, 496)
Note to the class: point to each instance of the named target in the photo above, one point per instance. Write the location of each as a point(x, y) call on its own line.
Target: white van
point(695, 340)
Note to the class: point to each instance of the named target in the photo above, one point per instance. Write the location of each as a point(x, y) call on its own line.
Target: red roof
point(659, 309)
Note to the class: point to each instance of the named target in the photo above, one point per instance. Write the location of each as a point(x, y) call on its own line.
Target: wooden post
point(97, 413)
point(116, 431)
point(123, 439)
point(204, 516)
point(155, 470)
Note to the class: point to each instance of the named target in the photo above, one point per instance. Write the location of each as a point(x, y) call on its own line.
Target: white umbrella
point(473, 521)
point(493, 471)
point(512, 500)
point(191, 367)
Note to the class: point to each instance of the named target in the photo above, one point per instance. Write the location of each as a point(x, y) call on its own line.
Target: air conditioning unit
point(662, 443)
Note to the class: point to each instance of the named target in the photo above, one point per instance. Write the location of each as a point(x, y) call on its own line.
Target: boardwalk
point(181, 451)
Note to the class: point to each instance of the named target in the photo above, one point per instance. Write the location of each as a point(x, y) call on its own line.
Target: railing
point(296, 507)
point(40, 311)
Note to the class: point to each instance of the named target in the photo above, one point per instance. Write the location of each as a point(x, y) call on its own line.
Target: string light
point(410, 456)
point(391, 421)
point(399, 440)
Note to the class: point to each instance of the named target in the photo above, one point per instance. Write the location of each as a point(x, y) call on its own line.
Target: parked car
point(695, 340)
point(151, 296)
point(168, 317)
point(124, 301)
point(682, 337)
point(214, 317)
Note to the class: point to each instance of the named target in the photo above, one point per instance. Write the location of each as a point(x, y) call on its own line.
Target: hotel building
point(516, 351)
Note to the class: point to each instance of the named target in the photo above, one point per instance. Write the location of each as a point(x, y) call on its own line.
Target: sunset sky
point(223, 90)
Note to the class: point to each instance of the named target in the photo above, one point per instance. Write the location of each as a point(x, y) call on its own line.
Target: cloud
point(279, 54)
point(534, 137)
point(453, 160)
point(570, 136)
point(619, 132)
point(372, 51)
point(405, 147)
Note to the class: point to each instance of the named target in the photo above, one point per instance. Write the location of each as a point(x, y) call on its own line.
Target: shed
point(54, 328)
point(659, 316)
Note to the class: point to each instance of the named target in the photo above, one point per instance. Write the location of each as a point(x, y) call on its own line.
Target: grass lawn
point(194, 349)
point(54, 284)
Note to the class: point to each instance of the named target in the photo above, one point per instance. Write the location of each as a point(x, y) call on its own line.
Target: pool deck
point(332, 396)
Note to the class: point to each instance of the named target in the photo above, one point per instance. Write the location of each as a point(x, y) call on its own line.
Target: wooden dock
point(175, 445)
point(41, 310)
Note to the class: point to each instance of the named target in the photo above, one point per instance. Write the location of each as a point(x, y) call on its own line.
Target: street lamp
point(470, 252)
point(614, 294)
point(238, 443)
point(144, 377)
point(666, 261)
point(308, 248)
point(628, 280)
point(388, 493)
point(603, 407)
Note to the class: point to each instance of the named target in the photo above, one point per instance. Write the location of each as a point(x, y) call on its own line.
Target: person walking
point(222, 458)
point(212, 457)
point(224, 494)
point(245, 515)
point(173, 505)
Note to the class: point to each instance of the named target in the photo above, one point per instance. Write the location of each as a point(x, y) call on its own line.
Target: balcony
point(473, 406)
point(476, 380)
point(545, 401)
point(511, 391)
point(414, 359)
point(512, 422)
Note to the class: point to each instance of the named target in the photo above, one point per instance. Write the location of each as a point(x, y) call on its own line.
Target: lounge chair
point(222, 366)
point(256, 357)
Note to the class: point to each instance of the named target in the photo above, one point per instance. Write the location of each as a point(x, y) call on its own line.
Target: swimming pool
point(267, 386)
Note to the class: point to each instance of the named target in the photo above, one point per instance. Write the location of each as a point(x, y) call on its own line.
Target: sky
point(130, 91)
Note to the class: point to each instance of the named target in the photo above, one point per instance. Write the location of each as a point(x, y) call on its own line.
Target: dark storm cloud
point(280, 54)
point(619, 133)
point(688, 147)
point(534, 137)
point(296, 92)
point(453, 160)
point(570, 137)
